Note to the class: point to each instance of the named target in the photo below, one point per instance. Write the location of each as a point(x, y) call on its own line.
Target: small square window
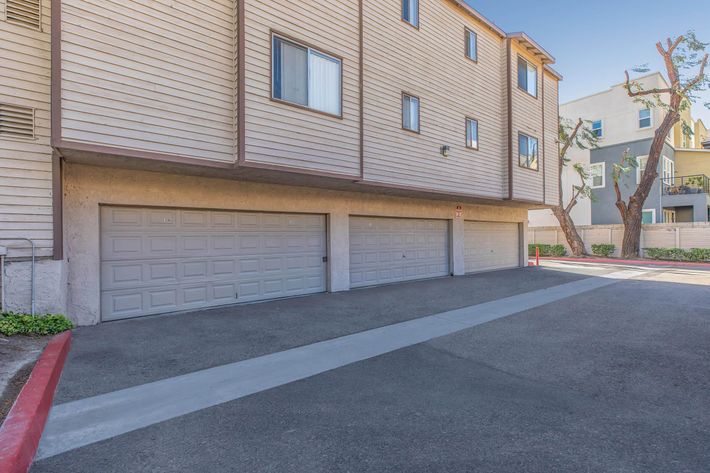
point(471, 45)
point(471, 133)
point(648, 216)
point(596, 175)
point(527, 77)
point(410, 113)
point(597, 128)
point(410, 12)
point(645, 118)
point(528, 152)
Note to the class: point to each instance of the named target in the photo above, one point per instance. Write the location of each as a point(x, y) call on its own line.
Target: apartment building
point(681, 192)
point(203, 153)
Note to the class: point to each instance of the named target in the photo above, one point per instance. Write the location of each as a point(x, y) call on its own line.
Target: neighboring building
point(211, 153)
point(680, 193)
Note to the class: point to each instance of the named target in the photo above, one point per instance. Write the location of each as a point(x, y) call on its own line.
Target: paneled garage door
point(163, 260)
point(491, 245)
point(385, 250)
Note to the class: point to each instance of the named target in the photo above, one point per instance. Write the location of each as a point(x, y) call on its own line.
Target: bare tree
point(679, 55)
point(579, 135)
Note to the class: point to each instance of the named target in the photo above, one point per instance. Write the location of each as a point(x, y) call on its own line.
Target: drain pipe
point(32, 274)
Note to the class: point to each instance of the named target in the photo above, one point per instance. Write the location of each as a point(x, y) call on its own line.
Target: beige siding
point(149, 75)
point(278, 133)
point(527, 119)
point(430, 63)
point(26, 165)
point(551, 145)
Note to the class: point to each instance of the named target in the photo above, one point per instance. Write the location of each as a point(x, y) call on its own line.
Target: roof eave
point(530, 44)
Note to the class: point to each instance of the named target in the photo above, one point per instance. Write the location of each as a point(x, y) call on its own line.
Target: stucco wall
point(50, 286)
point(603, 209)
point(692, 162)
point(87, 187)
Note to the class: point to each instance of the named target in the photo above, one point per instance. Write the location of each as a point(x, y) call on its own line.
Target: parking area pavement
point(610, 378)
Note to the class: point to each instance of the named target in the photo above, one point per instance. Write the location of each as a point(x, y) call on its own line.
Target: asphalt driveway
point(607, 378)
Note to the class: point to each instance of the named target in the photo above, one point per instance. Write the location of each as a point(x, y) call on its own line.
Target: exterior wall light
point(445, 150)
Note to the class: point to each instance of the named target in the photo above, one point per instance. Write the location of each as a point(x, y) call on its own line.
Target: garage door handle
point(325, 259)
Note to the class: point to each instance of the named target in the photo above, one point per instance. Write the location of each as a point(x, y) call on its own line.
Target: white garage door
point(491, 245)
point(164, 260)
point(385, 250)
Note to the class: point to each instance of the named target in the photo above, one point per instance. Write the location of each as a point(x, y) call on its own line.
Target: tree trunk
point(631, 243)
point(574, 241)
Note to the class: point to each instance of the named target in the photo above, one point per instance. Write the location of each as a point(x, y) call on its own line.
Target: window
point(597, 128)
point(471, 45)
point(527, 152)
point(410, 12)
point(644, 118)
point(527, 77)
point(668, 171)
point(597, 179)
point(648, 216)
point(24, 12)
point(668, 216)
point(640, 167)
point(410, 113)
point(471, 133)
point(17, 122)
point(305, 77)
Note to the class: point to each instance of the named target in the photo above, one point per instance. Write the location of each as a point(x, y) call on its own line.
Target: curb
point(22, 429)
point(683, 264)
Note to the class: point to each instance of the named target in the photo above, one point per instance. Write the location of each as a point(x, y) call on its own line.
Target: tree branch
point(570, 139)
point(639, 93)
point(698, 78)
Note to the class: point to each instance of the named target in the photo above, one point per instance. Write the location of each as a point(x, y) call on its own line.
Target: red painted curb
point(685, 264)
point(22, 429)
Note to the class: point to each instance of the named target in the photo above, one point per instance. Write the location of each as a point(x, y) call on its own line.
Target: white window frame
point(601, 128)
point(668, 171)
point(468, 140)
point(638, 167)
point(413, 18)
point(469, 33)
point(653, 214)
point(650, 119)
point(529, 67)
point(405, 125)
point(537, 148)
point(591, 176)
point(309, 52)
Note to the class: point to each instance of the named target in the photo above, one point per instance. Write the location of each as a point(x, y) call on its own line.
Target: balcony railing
point(684, 185)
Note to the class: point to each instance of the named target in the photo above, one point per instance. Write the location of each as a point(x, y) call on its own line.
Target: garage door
point(385, 250)
point(164, 260)
point(491, 245)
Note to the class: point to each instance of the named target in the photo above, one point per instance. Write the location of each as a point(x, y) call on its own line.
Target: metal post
point(537, 256)
point(32, 271)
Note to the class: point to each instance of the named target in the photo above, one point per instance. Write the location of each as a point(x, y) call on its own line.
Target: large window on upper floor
point(527, 77)
point(645, 118)
point(528, 153)
point(410, 112)
point(410, 12)
point(306, 77)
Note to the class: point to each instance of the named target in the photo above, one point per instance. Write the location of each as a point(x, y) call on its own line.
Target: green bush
point(603, 249)
point(547, 250)
point(12, 323)
point(678, 254)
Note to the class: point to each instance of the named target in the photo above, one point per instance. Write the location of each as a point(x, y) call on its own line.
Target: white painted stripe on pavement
point(86, 421)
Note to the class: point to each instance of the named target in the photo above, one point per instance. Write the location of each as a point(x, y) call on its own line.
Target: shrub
point(678, 254)
point(547, 250)
point(603, 249)
point(12, 323)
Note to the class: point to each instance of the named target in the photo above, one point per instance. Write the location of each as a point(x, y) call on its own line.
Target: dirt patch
point(17, 358)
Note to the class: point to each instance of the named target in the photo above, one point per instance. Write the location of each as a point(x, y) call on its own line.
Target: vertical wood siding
point(551, 136)
point(527, 119)
point(26, 165)
point(278, 133)
point(430, 63)
point(149, 75)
